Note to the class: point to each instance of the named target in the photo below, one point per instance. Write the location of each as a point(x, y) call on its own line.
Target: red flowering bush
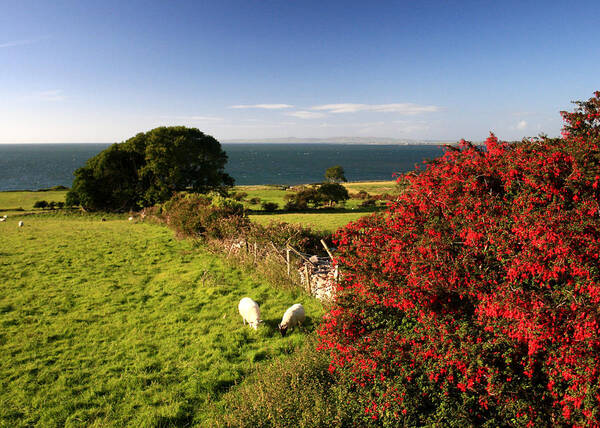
point(475, 298)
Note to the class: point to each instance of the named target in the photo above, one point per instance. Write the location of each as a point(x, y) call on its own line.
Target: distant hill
point(341, 140)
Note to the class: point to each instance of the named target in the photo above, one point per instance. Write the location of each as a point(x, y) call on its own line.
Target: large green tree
point(148, 168)
point(332, 193)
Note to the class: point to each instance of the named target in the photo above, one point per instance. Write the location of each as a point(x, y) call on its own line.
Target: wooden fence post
point(287, 259)
point(327, 249)
point(308, 288)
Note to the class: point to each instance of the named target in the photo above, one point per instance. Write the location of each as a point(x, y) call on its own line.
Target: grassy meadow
point(114, 323)
point(274, 193)
point(17, 202)
point(329, 220)
point(323, 219)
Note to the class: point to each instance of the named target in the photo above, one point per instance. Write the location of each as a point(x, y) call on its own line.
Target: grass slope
point(117, 323)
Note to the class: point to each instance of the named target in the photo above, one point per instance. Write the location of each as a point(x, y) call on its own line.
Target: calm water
point(37, 166)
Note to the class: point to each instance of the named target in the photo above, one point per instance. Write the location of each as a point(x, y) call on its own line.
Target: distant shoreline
point(338, 140)
point(283, 141)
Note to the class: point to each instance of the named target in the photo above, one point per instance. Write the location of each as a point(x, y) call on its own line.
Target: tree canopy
point(335, 174)
point(316, 195)
point(148, 168)
point(332, 193)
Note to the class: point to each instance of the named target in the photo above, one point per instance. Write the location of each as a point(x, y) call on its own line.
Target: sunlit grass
point(325, 221)
point(277, 194)
point(373, 187)
point(14, 202)
point(116, 323)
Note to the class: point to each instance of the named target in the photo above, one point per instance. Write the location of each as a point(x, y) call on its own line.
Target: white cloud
point(522, 125)
point(402, 108)
point(12, 43)
point(195, 118)
point(263, 106)
point(303, 114)
point(52, 95)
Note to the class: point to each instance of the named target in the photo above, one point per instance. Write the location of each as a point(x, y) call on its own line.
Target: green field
point(373, 187)
point(276, 193)
point(326, 221)
point(116, 323)
point(321, 219)
point(14, 202)
point(113, 323)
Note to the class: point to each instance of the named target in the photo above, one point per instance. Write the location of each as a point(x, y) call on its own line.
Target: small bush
point(360, 195)
point(255, 201)
point(301, 199)
point(41, 204)
point(269, 206)
point(239, 196)
point(197, 215)
point(282, 234)
point(368, 203)
point(293, 205)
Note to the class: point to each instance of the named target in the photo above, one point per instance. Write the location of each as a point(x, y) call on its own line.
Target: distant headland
point(341, 140)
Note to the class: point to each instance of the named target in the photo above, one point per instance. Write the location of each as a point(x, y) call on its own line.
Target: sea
point(41, 166)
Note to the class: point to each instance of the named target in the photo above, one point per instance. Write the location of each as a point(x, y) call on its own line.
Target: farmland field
point(114, 323)
point(328, 221)
point(322, 219)
point(13, 202)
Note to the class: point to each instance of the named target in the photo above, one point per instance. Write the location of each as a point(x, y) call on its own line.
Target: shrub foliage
point(148, 169)
point(475, 298)
point(204, 216)
point(316, 195)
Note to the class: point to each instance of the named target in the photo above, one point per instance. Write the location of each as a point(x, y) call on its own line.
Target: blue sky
point(91, 71)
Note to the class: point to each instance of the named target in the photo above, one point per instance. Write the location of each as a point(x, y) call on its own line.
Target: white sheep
point(21, 223)
point(291, 318)
point(250, 312)
point(2, 219)
point(130, 218)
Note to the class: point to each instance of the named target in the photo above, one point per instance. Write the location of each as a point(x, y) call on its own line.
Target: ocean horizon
point(40, 166)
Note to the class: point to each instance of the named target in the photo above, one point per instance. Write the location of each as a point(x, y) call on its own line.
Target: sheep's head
point(282, 329)
point(255, 324)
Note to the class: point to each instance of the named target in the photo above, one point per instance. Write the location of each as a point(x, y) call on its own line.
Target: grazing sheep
point(130, 219)
point(293, 316)
point(2, 219)
point(21, 223)
point(250, 312)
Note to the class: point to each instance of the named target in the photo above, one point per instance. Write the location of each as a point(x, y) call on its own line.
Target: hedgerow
point(204, 216)
point(215, 217)
point(475, 298)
